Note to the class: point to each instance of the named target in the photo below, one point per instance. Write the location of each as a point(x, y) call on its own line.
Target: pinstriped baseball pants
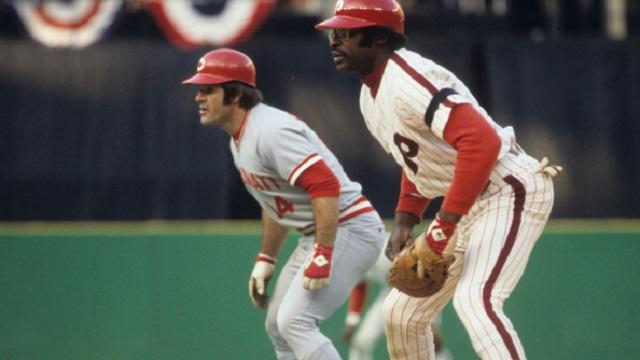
point(494, 242)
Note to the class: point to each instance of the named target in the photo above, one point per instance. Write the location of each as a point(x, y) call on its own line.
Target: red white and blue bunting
point(193, 23)
point(68, 23)
point(185, 23)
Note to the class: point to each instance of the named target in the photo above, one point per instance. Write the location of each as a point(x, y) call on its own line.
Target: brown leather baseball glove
point(405, 276)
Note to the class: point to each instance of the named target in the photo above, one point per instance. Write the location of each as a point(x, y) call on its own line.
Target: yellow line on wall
point(253, 227)
point(147, 227)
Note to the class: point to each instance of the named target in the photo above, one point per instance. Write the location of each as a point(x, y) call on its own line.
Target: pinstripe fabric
point(410, 86)
point(407, 114)
point(494, 242)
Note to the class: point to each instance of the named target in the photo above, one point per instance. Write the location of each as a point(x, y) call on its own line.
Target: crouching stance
point(299, 184)
point(497, 198)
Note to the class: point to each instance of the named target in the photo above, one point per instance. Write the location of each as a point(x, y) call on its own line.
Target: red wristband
point(327, 251)
point(266, 258)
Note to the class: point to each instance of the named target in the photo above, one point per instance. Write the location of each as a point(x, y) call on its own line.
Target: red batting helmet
point(224, 65)
point(353, 14)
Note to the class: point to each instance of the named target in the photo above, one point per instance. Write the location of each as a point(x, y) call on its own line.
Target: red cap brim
point(206, 79)
point(344, 22)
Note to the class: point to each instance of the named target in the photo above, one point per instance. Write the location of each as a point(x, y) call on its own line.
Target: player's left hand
point(318, 270)
point(401, 234)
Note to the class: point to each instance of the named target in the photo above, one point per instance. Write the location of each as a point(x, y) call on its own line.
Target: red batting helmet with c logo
point(353, 14)
point(224, 65)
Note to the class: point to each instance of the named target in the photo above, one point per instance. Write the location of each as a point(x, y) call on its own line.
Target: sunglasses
point(343, 34)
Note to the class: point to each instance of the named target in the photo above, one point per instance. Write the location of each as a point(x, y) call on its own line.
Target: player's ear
point(236, 99)
point(381, 41)
point(232, 93)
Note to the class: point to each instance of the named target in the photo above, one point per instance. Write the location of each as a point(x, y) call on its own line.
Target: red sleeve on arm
point(358, 296)
point(478, 147)
point(356, 303)
point(410, 200)
point(319, 181)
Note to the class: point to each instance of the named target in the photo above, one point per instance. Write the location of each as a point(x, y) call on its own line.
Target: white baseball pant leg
point(495, 240)
point(369, 330)
point(407, 320)
point(295, 314)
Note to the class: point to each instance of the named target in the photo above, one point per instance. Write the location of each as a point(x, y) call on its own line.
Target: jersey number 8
point(408, 148)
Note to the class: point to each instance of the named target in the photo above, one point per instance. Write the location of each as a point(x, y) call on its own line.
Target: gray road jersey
point(273, 150)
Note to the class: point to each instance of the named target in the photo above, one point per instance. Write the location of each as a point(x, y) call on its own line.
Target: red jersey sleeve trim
point(478, 146)
point(319, 181)
point(410, 200)
point(304, 164)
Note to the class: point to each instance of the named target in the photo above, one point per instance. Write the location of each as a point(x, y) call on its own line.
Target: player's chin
point(340, 62)
point(204, 120)
point(342, 66)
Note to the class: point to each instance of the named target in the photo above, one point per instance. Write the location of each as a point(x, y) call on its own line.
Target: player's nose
point(334, 41)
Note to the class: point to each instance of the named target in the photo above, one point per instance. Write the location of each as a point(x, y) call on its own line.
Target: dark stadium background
point(125, 232)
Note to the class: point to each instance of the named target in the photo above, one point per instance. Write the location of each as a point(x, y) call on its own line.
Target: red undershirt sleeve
point(478, 146)
point(410, 200)
point(356, 303)
point(319, 181)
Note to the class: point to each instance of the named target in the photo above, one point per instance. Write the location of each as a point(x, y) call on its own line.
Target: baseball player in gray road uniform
point(497, 198)
point(299, 184)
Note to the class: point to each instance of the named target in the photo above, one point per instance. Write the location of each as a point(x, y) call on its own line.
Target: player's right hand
point(260, 276)
point(401, 236)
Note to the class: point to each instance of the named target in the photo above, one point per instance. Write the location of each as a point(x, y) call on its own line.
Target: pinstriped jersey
point(408, 113)
point(273, 149)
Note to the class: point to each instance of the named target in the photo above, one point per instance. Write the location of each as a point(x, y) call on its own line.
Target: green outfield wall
point(178, 291)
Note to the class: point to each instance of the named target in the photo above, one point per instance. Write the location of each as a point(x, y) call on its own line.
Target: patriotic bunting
point(189, 24)
point(185, 23)
point(68, 23)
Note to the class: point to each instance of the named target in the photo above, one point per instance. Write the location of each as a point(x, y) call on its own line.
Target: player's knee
point(364, 340)
point(474, 298)
point(464, 299)
point(393, 320)
point(292, 328)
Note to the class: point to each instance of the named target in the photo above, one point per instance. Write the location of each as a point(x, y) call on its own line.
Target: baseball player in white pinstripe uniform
point(299, 184)
point(362, 333)
point(497, 199)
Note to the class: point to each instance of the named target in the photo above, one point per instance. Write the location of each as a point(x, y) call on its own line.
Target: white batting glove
point(318, 270)
point(260, 276)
